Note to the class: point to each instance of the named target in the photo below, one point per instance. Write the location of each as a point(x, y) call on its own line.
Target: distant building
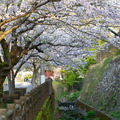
point(49, 74)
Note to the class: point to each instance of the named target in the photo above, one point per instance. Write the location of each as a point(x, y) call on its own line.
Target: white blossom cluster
point(64, 30)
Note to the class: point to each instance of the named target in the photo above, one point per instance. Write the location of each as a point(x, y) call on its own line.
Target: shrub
point(116, 115)
point(90, 61)
point(71, 78)
point(90, 115)
point(74, 96)
point(118, 52)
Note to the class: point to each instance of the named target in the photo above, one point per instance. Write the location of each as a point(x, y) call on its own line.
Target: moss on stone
point(47, 111)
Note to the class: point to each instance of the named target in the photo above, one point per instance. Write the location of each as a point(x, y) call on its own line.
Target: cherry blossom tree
point(63, 30)
point(14, 71)
point(14, 15)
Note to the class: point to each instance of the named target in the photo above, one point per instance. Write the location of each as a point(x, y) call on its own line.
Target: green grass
point(94, 76)
point(107, 61)
point(116, 115)
point(90, 115)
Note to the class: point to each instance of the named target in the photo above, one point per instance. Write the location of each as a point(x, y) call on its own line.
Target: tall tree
point(60, 29)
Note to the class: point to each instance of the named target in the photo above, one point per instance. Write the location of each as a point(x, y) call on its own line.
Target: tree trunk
point(38, 78)
point(13, 86)
point(34, 79)
point(11, 83)
point(2, 79)
point(35, 75)
point(4, 70)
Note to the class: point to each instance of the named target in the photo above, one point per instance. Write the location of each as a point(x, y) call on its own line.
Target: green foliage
point(74, 96)
point(90, 115)
point(69, 96)
point(118, 52)
point(101, 43)
point(89, 61)
point(75, 115)
point(71, 76)
point(107, 61)
point(116, 115)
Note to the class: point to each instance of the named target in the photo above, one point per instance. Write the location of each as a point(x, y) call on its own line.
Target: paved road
point(27, 85)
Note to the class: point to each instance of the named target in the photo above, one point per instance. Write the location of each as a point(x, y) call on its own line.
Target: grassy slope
point(93, 78)
point(94, 75)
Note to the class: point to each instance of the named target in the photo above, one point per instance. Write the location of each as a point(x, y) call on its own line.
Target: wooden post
point(11, 111)
point(35, 104)
point(38, 100)
point(23, 107)
point(39, 97)
point(27, 107)
point(18, 108)
point(31, 105)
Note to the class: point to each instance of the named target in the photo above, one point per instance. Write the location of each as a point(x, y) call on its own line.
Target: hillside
point(101, 87)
